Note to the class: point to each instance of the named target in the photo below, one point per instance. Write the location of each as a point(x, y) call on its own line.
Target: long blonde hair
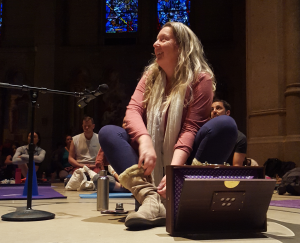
point(191, 62)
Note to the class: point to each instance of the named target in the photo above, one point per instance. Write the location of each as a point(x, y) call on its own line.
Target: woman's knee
point(224, 129)
point(222, 124)
point(230, 127)
point(105, 131)
point(111, 135)
point(229, 122)
point(219, 130)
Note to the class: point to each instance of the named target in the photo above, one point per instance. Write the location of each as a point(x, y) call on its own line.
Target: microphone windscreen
point(103, 88)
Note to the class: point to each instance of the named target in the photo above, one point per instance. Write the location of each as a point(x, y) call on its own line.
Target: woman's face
point(14, 148)
point(166, 49)
point(35, 138)
point(68, 140)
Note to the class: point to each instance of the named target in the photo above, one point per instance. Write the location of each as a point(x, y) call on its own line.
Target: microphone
point(90, 95)
point(102, 88)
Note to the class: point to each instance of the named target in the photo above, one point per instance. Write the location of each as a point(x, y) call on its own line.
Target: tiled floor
point(77, 220)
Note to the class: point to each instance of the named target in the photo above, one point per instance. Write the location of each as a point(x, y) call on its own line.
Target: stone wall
point(273, 84)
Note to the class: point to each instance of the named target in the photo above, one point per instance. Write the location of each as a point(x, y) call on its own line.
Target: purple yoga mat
point(16, 193)
point(286, 203)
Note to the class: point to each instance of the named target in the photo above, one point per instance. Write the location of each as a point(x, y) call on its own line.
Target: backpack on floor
point(286, 167)
point(272, 167)
point(290, 183)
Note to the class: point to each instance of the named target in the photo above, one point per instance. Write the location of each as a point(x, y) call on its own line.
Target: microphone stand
point(29, 214)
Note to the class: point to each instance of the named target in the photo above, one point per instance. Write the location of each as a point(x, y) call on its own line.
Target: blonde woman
point(171, 103)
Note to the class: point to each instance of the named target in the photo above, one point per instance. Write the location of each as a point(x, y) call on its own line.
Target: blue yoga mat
point(111, 195)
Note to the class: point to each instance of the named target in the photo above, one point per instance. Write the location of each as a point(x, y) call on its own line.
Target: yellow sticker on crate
point(231, 184)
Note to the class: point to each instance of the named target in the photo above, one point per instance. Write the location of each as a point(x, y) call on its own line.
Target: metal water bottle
point(102, 191)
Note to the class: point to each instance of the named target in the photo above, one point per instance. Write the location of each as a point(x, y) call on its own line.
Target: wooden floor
point(77, 220)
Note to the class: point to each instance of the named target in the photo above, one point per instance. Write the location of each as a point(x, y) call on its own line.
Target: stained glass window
point(121, 16)
point(173, 11)
point(1, 7)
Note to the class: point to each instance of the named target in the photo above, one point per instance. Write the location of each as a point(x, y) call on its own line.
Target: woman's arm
point(197, 113)
point(24, 157)
point(135, 126)
point(147, 155)
point(179, 157)
point(37, 158)
point(134, 122)
point(8, 160)
point(40, 158)
point(17, 159)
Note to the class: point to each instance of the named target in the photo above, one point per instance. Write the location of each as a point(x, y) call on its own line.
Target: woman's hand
point(162, 188)
point(146, 154)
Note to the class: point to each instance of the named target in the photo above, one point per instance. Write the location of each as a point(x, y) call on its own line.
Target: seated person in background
point(84, 147)
point(21, 157)
point(238, 155)
point(7, 169)
point(60, 164)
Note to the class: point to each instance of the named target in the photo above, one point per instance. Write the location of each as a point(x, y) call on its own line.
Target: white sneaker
point(5, 181)
point(12, 181)
point(90, 172)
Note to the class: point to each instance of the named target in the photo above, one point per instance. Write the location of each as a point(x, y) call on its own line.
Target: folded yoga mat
point(111, 195)
point(16, 193)
point(286, 203)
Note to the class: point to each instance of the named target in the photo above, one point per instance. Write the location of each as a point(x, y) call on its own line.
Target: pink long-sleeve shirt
point(194, 116)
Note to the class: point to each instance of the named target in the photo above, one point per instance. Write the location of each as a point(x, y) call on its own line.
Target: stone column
point(273, 88)
point(265, 80)
point(292, 78)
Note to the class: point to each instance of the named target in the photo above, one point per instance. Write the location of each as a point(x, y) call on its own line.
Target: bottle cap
point(103, 173)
